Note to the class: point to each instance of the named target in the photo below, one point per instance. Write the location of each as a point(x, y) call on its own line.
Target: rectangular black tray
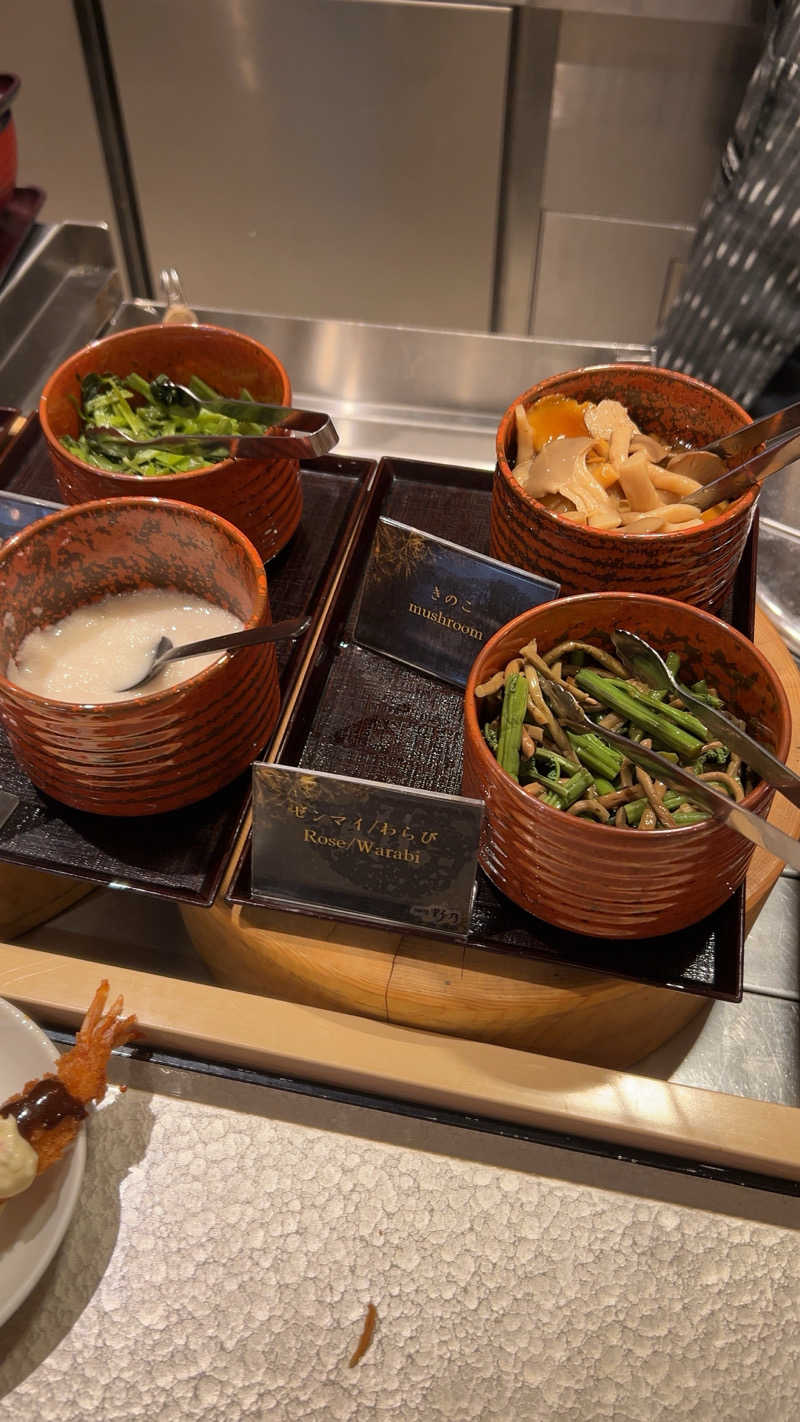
point(181, 855)
point(361, 714)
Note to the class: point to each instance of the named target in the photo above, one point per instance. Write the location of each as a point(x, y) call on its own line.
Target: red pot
point(695, 565)
point(262, 497)
point(597, 879)
point(9, 85)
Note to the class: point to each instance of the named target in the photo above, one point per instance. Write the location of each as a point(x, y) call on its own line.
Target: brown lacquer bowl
point(695, 566)
point(154, 752)
point(262, 497)
point(593, 878)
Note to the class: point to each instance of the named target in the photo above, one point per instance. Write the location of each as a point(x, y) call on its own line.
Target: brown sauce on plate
point(43, 1106)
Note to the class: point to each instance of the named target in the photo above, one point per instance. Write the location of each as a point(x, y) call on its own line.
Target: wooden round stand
point(28, 897)
point(466, 992)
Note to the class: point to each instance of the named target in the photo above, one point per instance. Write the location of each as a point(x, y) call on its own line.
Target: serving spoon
point(646, 663)
point(744, 822)
point(165, 651)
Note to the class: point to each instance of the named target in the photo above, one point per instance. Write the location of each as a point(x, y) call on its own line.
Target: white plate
point(33, 1224)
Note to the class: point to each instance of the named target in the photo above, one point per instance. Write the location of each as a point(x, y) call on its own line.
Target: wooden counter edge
point(336, 1049)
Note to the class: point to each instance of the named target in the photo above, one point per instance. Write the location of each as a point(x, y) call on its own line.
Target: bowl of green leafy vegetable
point(126, 382)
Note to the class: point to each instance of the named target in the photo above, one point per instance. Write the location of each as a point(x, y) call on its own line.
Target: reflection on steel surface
point(58, 300)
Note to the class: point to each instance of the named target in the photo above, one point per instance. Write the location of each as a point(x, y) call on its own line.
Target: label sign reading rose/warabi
point(357, 847)
point(432, 604)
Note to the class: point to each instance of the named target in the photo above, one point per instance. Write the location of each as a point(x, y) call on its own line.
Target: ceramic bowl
point(262, 497)
point(158, 751)
point(695, 566)
point(592, 878)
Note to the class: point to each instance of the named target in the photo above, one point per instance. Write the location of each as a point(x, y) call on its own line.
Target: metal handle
point(748, 825)
point(760, 432)
point(762, 760)
point(250, 637)
point(307, 439)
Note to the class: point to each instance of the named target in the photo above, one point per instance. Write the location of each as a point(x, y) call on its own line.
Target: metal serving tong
point(744, 822)
point(647, 664)
point(735, 482)
point(749, 437)
point(782, 428)
point(302, 434)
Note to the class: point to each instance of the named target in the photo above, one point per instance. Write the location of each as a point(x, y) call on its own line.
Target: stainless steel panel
point(320, 158)
point(596, 276)
point(778, 586)
point(640, 105)
point(772, 951)
point(641, 112)
point(534, 49)
point(423, 394)
point(718, 12)
point(748, 1048)
point(60, 297)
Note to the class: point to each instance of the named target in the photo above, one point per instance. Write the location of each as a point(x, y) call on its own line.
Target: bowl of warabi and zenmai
point(594, 470)
point(86, 594)
point(124, 382)
point(573, 831)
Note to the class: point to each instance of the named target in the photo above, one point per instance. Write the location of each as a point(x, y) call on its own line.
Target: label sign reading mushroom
point(359, 848)
point(433, 604)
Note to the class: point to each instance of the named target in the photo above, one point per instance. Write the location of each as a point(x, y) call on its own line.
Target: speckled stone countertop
point(225, 1249)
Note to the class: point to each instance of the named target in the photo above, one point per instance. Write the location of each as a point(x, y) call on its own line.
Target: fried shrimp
point(48, 1112)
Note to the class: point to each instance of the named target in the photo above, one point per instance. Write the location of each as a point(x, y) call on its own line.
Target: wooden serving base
point(29, 897)
point(467, 992)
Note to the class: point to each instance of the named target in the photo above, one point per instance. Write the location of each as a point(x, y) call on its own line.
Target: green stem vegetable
point(594, 753)
point(512, 716)
point(654, 723)
point(654, 699)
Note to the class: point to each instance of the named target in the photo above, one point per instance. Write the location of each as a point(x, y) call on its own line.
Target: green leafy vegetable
point(145, 410)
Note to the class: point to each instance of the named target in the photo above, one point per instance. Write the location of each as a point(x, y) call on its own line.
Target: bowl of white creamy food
point(85, 595)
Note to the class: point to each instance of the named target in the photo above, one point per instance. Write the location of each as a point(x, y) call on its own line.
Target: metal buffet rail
point(417, 393)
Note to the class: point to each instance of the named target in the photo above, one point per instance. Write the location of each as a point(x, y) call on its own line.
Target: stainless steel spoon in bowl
point(744, 822)
point(165, 652)
point(650, 667)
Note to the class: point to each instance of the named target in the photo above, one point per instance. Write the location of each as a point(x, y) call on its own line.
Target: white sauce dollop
point(18, 1160)
point(89, 655)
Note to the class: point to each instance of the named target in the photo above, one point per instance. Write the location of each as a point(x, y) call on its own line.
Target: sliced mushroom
point(697, 464)
point(610, 420)
point(524, 442)
point(634, 476)
point(560, 468)
point(655, 451)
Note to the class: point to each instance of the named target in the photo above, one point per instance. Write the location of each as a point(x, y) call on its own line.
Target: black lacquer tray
point(361, 714)
point(181, 855)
